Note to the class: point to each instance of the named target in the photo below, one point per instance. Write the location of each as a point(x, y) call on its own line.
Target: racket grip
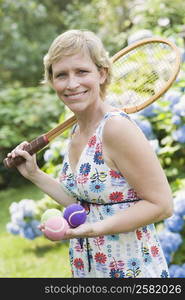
point(33, 147)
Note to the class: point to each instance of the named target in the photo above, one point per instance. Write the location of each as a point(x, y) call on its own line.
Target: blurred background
point(28, 109)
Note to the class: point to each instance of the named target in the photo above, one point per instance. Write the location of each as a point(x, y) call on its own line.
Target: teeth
point(75, 95)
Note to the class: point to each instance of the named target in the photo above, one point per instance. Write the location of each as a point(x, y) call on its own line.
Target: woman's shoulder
point(118, 121)
point(120, 126)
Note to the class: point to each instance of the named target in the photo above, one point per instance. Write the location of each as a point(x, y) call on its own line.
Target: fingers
point(41, 227)
point(84, 230)
point(19, 150)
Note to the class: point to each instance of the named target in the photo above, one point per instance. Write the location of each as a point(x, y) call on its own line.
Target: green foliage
point(27, 29)
point(29, 26)
point(25, 113)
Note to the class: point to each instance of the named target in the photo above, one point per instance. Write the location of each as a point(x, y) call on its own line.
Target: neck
point(89, 119)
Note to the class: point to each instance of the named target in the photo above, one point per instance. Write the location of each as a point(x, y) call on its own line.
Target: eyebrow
point(65, 71)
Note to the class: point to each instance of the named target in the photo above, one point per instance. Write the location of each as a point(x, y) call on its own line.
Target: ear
point(103, 74)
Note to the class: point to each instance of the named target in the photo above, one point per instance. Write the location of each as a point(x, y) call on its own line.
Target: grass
point(22, 258)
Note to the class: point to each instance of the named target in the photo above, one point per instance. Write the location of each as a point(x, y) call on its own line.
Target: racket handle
point(33, 147)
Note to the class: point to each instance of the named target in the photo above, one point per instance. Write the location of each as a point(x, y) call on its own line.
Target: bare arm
point(51, 187)
point(46, 183)
point(135, 159)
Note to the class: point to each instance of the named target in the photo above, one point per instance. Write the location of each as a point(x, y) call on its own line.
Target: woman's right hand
point(29, 167)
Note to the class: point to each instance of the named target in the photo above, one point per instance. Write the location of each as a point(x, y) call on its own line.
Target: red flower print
point(115, 174)
point(132, 194)
point(100, 258)
point(154, 251)
point(62, 177)
point(139, 234)
point(92, 141)
point(99, 147)
point(78, 262)
point(82, 179)
point(116, 196)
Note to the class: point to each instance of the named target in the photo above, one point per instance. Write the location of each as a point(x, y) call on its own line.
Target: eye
point(82, 71)
point(61, 75)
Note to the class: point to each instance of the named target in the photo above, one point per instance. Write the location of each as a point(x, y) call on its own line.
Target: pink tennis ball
point(55, 228)
point(75, 215)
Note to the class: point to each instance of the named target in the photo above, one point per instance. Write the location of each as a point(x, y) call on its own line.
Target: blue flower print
point(144, 229)
point(147, 259)
point(113, 237)
point(71, 184)
point(85, 169)
point(117, 273)
point(97, 186)
point(133, 263)
point(98, 158)
point(65, 167)
point(108, 210)
point(164, 274)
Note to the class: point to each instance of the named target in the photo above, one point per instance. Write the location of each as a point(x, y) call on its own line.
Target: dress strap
point(108, 116)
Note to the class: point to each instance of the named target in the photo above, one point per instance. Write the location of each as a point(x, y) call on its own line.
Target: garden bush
point(25, 113)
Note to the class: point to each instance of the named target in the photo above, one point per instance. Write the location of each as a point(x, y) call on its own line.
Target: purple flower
point(179, 107)
point(179, 204)
point(179, 134)
point(177, 271)
point(151, 110)
point(168, 256)
point(13, 228)
point(34, 225)
point(146, 127)
point(176, 120)
point(175, 223)
point(173, 97)
point(27, 232)
point(170, 241)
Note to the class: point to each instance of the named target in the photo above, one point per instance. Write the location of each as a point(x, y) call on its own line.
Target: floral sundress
point(103, 192)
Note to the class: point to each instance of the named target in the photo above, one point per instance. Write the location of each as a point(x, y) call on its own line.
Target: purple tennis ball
point(75, 215)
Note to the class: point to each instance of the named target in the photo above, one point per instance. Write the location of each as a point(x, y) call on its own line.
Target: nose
point(72, 82)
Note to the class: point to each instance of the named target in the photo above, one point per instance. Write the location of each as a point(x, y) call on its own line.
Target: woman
point(109, 168)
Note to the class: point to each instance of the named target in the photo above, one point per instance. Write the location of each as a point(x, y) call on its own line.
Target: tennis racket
point(141, 73)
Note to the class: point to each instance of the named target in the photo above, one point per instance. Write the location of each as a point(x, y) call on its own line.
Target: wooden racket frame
point(41, 141)
point(71, 121)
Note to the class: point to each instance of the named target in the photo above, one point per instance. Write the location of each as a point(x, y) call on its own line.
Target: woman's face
point(76, 80)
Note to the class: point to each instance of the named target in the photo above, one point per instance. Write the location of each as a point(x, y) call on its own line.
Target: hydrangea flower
point(151, 111)
point(176, 120)
point(146, 127)
point(22, 219)
point(179, 107)
point(177, 271)
point(48, 155)
point(173, 97)
point(175, 223)
point(179, 134)
point(179, 204)
point(170, 241)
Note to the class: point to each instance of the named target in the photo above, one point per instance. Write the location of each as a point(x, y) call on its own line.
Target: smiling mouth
point(75, 95)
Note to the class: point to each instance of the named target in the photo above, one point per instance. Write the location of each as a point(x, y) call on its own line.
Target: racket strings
point(141, 73)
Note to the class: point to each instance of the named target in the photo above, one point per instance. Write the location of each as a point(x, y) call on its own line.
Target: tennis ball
point(52, 212)
point(55, 228)
point(75, 215)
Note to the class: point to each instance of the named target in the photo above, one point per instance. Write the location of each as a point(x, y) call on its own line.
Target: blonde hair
point(72, 42)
